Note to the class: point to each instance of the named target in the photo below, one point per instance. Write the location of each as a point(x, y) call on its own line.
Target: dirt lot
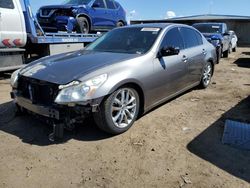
point(176, 145)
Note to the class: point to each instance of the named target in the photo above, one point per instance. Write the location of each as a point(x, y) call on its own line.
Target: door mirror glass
point(226, 34)
point(169, 51)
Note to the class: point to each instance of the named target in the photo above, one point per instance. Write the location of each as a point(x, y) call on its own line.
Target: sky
point(160, 9)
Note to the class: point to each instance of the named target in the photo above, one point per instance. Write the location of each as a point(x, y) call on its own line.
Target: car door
point(195, 54)
point(12, 26)
point(170, 71)
point(112, 13)
point(99, 15)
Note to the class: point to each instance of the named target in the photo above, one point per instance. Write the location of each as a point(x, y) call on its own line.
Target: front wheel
point(83, 25)
point(226, 53)
point(230, 49)
point(234, 49)
point(119, 111)
point(206, 75)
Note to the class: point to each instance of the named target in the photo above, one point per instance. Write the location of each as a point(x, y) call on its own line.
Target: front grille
point(39, 92)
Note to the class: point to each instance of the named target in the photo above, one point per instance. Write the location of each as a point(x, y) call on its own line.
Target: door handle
point(184, 59)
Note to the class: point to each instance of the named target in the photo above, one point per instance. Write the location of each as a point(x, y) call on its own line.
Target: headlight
point(79, 91)
point(14, 78)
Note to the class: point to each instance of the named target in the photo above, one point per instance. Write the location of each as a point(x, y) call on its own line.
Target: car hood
point(65, 68)
point(59, 7)
point(212, 35)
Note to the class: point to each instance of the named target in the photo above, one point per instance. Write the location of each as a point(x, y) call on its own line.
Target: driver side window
point(173, 39)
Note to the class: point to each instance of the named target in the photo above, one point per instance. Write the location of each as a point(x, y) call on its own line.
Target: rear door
point(195, 54)
point(112, 13)
point(12, 25)
point(99, 15)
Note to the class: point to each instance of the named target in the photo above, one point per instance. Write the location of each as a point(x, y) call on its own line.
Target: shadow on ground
point(246, 53)
point(209, 147)
point(33, 131)
point(243, 62)
point(4, 76)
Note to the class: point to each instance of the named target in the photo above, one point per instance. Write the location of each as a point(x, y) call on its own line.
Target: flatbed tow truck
point(22, 39)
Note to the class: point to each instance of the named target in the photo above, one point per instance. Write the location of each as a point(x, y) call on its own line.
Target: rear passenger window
point(189, 37)
point(7, 4)
point(100, 3)
point(110, 4)
point(173, 39)
point(199, 37)
point(116, 4)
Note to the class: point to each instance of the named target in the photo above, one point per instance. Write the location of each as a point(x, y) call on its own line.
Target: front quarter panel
point(136, 71)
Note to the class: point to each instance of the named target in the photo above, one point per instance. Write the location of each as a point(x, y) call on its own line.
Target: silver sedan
point(123, 74)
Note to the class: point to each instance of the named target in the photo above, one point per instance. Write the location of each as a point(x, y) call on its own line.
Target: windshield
point(207, 28)
point(133, 40)
point(76, 2)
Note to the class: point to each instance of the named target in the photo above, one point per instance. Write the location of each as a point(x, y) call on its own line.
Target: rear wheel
point(119, 111)
point(206, 75)
point(83, 25)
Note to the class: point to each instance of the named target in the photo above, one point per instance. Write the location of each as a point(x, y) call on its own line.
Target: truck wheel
point(83, 25)
point(119, 111)
point(206, 75)
point(226, 53)
point(119, 24)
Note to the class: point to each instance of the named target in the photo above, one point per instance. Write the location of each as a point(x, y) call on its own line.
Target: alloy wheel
point(207, 74)
point(123, 108)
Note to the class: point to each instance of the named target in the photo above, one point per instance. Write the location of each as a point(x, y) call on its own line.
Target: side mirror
point(96, 5)
point(168, 51)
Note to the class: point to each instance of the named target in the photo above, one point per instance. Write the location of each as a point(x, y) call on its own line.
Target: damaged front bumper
point(60, 116)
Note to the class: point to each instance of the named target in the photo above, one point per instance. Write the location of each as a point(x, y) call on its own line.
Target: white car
point(234, 40)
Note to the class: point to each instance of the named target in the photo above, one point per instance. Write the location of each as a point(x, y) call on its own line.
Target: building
point(240, 24)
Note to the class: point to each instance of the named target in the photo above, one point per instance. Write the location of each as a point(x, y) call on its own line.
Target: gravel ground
point(177, 144)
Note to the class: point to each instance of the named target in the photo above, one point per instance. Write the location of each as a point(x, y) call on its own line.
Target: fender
point(85, 15)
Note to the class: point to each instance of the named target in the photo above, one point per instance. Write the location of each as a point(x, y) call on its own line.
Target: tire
point(234, 49)
point(230, 48)
point(118, 111)
point(226, 53)
point(207, 74)
point(83, 25)
point(119, 24)
point(219, 54)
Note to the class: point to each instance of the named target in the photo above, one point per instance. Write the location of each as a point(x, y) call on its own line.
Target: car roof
point(208, 23)
point(158, 25)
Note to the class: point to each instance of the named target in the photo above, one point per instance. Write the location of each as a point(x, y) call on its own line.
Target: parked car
point(83, 16)
point(234, 40)
point(124, 73)
point(217, 34)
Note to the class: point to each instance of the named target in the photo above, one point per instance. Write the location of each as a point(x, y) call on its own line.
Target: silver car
point(121, 75)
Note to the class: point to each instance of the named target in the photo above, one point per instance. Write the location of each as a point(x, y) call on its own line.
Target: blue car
point(82, 16)
point(218, 35)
